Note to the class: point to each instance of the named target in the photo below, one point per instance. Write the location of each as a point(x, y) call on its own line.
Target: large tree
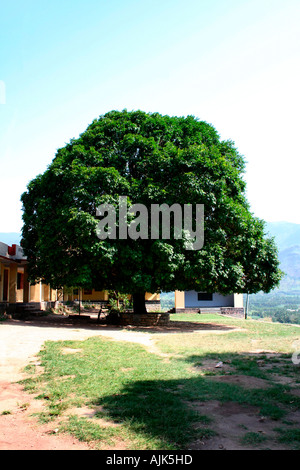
point(151, 159)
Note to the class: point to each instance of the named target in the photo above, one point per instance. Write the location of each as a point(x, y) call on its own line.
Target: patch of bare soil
point(231, 422)
point(211, 366)
point(187, 327)
point(90, 414)
point(20, 429)
point(70, 350)
point(245, 381)
point(20, 342)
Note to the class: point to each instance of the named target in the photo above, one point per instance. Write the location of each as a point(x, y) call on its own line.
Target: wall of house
point(1, 280)
point(34, 293)
point(218, 300)
point(20, 290)
point(85, 295)
point(152, 297)
point(179, 299)
point(12, 270)
point(93, 295)
point(13, 283)
point(40, 293)
point(20, 285)
point(11, 288)
point(238, 300)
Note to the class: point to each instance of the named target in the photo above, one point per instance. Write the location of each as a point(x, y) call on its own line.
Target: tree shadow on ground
point(83, 322)
point(184, 327)
point(168, 410)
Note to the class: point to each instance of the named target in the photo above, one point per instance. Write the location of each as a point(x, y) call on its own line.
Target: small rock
point(261, 362)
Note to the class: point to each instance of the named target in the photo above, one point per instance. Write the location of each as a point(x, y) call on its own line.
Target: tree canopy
point(151, 159)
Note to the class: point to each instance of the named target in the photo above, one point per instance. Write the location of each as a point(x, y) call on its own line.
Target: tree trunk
point(139, 305)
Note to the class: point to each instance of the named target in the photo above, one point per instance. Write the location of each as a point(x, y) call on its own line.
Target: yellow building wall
point(97, 296)
point(39, 293)
point(94, 295)
point(53, 295)
point(179, 299)
point(150, 296)
point(13, 270)
point(12, 282)
point(34, 293)
point(1, 281)
point(14, 294)
point(20, 292)
point(26, 287)
point(43, 292)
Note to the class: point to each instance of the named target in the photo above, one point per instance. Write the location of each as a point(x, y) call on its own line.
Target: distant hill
point(290, 261)
point(10, 238)
point(282, 304)
point(287, 237)
point(286, 234)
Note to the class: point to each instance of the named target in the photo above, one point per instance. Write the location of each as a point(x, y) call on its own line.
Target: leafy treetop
point(152, 159)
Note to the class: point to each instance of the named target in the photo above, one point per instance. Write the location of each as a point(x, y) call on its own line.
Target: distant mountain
point(286, 234)
point(10, 238)
point(287, 237)
point(290, 261)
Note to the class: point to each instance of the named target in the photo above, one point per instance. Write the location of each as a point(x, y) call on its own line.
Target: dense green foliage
point(149, 158)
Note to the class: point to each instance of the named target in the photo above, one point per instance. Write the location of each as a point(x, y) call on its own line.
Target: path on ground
point(19, 344)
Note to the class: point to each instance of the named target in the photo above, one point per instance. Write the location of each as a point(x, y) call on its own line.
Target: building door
point(5, 285)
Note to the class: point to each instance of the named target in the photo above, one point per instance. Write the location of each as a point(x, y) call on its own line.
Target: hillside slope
point(286, 234)
point(290, 261)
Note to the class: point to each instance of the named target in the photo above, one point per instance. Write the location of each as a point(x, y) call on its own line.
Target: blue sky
point(232, 63)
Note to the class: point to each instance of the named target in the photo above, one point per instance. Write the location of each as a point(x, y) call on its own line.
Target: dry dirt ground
point(20, 343)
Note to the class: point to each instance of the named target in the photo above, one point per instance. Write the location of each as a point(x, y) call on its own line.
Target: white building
point(193, 301)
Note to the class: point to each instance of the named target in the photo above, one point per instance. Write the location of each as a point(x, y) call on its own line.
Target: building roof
point(11, 253)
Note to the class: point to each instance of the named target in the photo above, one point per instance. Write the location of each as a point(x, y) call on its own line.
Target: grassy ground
point(118, 395)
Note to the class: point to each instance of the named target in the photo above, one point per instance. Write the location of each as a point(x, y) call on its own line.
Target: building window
point(20, 281)
point(87, 291)
point(204, 296)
